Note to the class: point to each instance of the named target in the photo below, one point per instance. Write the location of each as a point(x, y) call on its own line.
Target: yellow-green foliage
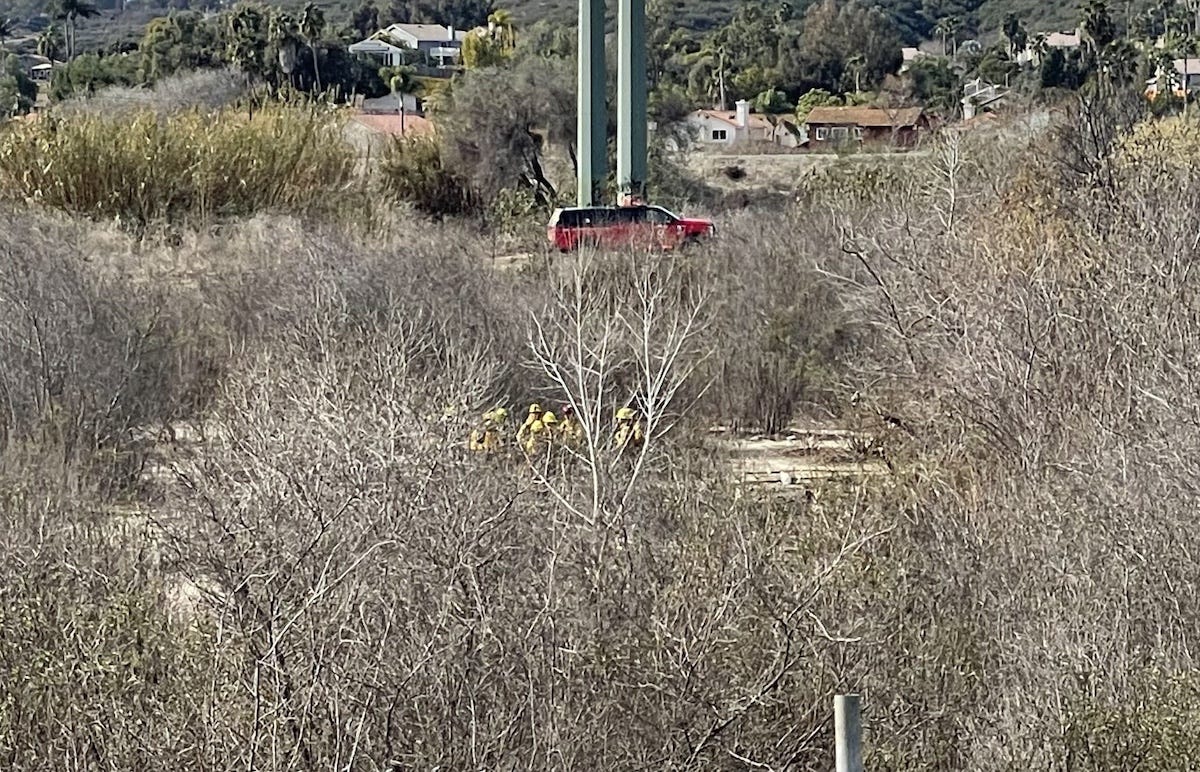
point(1156, 148)
point(143, 168)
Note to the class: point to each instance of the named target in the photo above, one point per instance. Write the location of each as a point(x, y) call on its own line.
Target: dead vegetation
point(320, 576)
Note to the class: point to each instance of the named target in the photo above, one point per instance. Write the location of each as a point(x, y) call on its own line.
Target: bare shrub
point(203, 90)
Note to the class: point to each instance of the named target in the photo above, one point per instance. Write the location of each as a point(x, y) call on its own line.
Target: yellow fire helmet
point(625, 414)
point(535, 408)
point(549, 418)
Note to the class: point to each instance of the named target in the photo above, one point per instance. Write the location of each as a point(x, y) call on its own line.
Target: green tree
point(1015, 35)
point(365, 19)
point(503, 28)
point(481, 50)
point(935, 84)
point(817, 97)
point(246, 43)
point(180, 41)
point(1098, 26)
point(70, 12)
point(833, 34)
point(88, 73)
point(501, 121)
point(772, 102)
point(312, 26)
point(17, 92)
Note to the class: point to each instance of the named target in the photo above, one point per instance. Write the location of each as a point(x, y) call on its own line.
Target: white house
point(396, 43)
point(715, 128)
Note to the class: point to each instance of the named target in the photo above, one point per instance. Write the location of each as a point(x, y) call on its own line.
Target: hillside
point(986, 16)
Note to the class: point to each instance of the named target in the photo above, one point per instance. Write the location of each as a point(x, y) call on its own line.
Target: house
point(832, 127)
point(979, 95)
point(725, 128)
point(787, 133)
point(908, 55)
point(1039, 43)
point(38, 67)
point(395, 45)
point(1182, 79)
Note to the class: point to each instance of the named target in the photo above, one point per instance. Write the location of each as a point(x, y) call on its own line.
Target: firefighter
point(628, 433)
point(541, 433)
point(535, 415)
point(569, 427)
point(486, 438)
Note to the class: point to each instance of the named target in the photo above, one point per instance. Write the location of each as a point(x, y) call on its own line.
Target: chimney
point(742, 120)
point(450, 32)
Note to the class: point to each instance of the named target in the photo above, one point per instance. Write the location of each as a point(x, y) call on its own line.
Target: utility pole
point(631, 100)
point(847, 727)
point(591, 121)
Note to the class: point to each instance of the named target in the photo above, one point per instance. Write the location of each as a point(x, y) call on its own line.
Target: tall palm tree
point(7, 28)
point(402, 80)
point(502, 26)
point(855, 64)
point(942, 29)
point(312, 24)
point(69, 12)
point(50, 43)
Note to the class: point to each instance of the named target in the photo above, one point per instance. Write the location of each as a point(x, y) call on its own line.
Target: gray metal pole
point(591, 121)
point(631, 99)
point(847, 728)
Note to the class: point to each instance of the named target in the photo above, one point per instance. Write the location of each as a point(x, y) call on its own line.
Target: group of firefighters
point(543, 429)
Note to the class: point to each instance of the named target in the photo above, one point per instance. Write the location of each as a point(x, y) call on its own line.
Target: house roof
point(874, 117)
point(754, 121)
point(1063, 39)
point(423, 33)
point(1187, 66)
point(414, 125)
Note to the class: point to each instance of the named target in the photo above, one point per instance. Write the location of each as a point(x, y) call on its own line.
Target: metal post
point(591, 122)
point(847, 727)
point(631, 99)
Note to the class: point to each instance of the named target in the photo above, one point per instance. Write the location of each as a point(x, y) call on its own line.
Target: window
point(719, 135)
point(822, 133)
point(659, 216)
point(858, 133)
point(839, 133)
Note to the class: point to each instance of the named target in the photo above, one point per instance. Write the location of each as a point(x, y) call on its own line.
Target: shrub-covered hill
point(914, 17)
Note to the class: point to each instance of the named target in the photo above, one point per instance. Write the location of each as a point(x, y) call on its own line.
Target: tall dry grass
point(142, 168)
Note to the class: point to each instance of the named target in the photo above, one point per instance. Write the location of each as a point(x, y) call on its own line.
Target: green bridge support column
point(631, 99)
point(591, 124)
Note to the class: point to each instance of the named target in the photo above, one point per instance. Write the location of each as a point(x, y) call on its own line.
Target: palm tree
point(401, 80)
point(943, 30)
point(312, 24)
point(7, 28)
point(50, 43)
point(69, 12)
point(503, 28)
point(855, 64)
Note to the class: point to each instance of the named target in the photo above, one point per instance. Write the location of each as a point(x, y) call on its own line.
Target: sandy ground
point(804, 456)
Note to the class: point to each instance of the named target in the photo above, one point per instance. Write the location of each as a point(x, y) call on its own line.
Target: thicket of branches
point(262, 542)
